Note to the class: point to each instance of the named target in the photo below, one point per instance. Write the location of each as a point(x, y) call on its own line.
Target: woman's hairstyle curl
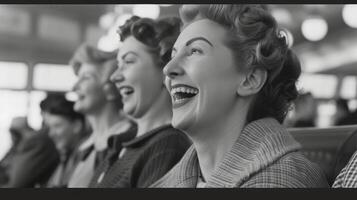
point(158, 35)
point(256, 42)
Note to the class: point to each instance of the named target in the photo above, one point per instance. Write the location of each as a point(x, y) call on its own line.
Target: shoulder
point(293, 170)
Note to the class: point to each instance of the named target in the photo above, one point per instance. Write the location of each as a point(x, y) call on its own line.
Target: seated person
point(16, 138)
point(348, 175)
point(158, 146)
point(305, 111)
point(232, 78)
point(346, 160)
point(36, 156)
point(100, 102)
point(67, 129)
point(342, 112)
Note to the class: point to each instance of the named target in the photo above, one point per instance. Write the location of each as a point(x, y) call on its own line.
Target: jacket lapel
point(259, 144)
point(187, 170)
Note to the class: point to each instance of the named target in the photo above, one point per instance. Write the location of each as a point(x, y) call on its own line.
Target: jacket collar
point(139, 140)
point(260, 143)
point(115, 142)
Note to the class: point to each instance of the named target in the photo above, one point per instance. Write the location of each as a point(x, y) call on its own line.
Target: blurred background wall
point(36, 42)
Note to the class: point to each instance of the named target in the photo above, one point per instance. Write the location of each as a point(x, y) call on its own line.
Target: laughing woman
point(232, 78)
point(158, 146)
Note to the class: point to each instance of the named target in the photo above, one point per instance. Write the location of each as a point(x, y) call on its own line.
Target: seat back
point(321, 145)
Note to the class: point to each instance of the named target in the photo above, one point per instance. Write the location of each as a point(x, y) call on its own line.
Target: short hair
point(256, 42)
point(61, 106)
point(51, 96)
point(158, 35)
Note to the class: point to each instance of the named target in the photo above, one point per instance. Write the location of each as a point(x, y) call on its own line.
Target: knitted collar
point(260, 143)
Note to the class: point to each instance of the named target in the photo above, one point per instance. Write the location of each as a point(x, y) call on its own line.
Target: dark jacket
point(91, 160)
point(34, 162)
point(144, 159)
point(265, 155)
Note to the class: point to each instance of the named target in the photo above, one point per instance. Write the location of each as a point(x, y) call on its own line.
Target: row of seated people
point(196, 102)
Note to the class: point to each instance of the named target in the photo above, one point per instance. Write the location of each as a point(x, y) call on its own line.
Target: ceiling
point(299, 12)
point(338, 31)
point(83, 13)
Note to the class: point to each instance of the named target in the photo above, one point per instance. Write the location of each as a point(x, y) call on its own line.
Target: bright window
point(34, 112)
point(53, 77)
point(13, 75)
point(348, 88)
point(12, 104)
point(321, 86)
point(325, 112)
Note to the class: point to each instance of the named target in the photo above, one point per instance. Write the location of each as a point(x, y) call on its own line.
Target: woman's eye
point(195, 51)
point(84, 78)
point(129, 61)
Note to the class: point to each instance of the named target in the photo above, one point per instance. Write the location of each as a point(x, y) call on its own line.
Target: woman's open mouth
point(125, 91)
point(181, 94)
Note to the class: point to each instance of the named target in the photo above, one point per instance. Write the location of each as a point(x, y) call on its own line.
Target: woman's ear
point(252, 82)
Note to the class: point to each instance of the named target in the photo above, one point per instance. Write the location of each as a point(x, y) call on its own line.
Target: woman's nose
point(116, 76)
point(75, 86)
point(173, 69)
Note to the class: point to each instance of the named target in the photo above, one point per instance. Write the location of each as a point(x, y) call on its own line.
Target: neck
point(214, 140)
point(101, 123)
point(159, 114)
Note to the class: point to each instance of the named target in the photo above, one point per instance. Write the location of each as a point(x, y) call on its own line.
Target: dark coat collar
point(260, 143)
point(115, 142)
point(139, 140)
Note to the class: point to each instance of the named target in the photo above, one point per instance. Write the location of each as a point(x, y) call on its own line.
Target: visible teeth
point(125, 91)
point(184, 90)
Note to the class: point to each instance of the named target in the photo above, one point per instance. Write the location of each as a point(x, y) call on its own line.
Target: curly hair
point(158, 35)
point(256, 42)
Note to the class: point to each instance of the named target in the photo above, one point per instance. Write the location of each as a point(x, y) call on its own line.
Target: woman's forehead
point(88, 67)
point(206, 28)
point(131, 45)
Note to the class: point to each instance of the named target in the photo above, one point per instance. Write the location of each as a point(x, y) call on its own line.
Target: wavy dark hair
point(158, 35)
point(256, 42)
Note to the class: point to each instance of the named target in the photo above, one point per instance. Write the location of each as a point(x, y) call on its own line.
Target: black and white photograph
point(178, 95)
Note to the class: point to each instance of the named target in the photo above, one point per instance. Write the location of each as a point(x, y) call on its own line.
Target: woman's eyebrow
point(129, 52)
point(198, 38)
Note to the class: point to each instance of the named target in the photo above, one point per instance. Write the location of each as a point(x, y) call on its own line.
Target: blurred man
point(16, 138)
point(35, 158)
point(67, 129)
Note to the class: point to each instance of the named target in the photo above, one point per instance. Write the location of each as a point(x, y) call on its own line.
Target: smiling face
point(202, 76)
point(89, 89)
point(138, 78)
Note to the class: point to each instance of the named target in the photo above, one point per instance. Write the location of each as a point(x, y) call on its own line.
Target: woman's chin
point(79, 108)
point(182, 123)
